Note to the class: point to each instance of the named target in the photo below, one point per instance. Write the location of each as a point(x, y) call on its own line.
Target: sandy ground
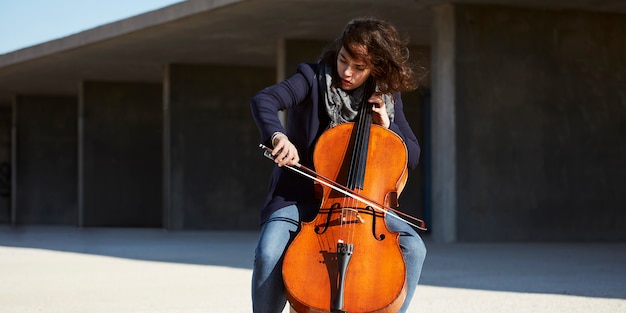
point(72, 270)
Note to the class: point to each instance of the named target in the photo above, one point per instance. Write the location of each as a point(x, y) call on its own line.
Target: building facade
point(145, 122)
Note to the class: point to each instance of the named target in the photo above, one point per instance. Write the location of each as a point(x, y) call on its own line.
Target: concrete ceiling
point(237, 32)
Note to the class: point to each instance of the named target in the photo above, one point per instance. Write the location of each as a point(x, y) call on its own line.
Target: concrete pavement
point(76, 270)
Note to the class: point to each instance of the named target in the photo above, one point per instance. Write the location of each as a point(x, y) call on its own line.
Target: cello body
point(346, 259)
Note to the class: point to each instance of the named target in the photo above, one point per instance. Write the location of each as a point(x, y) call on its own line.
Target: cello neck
point(358, 160)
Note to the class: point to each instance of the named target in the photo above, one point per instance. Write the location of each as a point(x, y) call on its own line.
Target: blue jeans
point(268, 294)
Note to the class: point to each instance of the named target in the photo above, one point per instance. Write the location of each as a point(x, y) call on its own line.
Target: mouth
point(346, 82)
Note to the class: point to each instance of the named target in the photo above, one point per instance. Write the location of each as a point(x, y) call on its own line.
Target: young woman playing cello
point(320, 96)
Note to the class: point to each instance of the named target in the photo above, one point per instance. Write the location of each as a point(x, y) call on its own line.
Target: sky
point(24, 23)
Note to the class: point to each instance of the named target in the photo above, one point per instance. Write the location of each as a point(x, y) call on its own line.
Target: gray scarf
point(342, 106)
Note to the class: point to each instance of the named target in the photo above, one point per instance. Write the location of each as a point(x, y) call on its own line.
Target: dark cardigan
point(307, 120)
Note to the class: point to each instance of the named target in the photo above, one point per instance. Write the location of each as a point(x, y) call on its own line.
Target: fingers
point(377, 100)
point(379, 110)
point(284, 152)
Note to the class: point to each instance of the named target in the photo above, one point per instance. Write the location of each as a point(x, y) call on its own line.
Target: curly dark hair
point(385, 53)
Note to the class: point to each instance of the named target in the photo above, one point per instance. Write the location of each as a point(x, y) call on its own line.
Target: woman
point(320, 96)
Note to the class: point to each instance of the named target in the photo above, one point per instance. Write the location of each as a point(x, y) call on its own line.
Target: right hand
point(284, 152)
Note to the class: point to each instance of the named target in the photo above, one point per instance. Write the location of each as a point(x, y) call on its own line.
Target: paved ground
point(72, 270)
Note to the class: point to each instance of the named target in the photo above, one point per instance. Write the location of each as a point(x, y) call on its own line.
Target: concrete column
point(443, 121)
point(290, 53)
point(215, 176)
point(6, 121)
point(120, 173)
point(44, 160)
point(300, 51)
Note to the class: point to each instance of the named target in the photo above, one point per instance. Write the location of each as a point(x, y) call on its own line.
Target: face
point(352, 72)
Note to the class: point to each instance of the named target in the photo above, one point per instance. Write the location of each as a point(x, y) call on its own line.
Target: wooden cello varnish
point(346, 260)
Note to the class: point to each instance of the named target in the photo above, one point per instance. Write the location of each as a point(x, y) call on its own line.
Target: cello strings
point(360, 153)
point(308, 173)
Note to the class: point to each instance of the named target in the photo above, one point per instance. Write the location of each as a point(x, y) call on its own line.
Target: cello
point(346, 260)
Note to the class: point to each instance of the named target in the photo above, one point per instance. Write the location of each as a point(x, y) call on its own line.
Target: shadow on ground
point(581, 269)
point(220, 248)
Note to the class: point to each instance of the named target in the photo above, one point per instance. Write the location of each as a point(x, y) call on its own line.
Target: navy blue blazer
point(307, 120)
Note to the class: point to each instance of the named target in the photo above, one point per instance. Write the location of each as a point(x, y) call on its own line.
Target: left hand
point(379, 110)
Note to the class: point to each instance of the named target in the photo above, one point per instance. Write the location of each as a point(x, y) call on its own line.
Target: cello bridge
point(351, 215)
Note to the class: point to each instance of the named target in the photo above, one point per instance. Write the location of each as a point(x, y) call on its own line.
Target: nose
point(347, 72)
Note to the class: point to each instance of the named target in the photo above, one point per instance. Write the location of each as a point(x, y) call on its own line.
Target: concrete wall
point(120, 176)
point(215, 174)
point(45, 160)
point(538, 107)
point(6, 117)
